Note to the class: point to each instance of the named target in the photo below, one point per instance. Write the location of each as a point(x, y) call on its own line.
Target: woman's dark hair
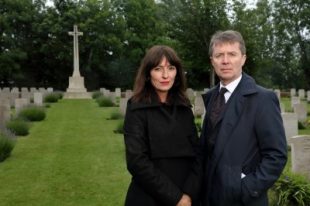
point(143, 89)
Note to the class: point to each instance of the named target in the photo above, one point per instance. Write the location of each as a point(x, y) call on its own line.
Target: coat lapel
point(232, 114)
point(229, 121)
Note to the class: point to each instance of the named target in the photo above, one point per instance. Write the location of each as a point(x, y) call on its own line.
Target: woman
point(160, 135)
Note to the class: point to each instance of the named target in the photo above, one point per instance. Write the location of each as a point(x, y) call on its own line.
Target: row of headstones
point(301, 93)
point(195, 97)
point(300, 144)
point(297, 105)
point(14, 93)
point(290, 120)
point(10, 99)
point(198, 105)
point(25, 89)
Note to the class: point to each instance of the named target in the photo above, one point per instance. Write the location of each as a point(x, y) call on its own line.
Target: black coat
point(251, 141)
point(161, 156)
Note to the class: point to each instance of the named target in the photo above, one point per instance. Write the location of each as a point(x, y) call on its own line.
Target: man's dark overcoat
point(250, 140)
point(161, 152)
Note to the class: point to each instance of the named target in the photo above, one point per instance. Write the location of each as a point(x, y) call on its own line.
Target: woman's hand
point(185, 201)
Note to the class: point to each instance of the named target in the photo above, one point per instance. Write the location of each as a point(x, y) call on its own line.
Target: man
point(243, 140)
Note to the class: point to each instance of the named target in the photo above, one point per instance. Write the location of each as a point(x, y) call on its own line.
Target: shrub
point(53, 97)
point(7, 143)
point(104, 102)
point(32, 113)
point(96, 94)
point(116, 115)
point(120, 128)
point(292, 189)
point(301, 125)
point(18, 127)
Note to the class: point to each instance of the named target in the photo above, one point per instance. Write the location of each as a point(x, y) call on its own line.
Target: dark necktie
point(218, 106)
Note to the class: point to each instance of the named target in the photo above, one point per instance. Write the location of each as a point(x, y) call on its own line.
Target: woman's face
point(162, 78)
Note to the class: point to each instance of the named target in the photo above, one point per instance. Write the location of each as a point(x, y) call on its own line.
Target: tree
point(255, 24)
point(14, 39)
point(292, 26)
point(192, 23)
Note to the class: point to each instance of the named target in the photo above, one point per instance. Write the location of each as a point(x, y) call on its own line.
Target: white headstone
point(278, 93)
point(5, 111)
point(15, 90)
point(50, 89)
point(199, 108)
point(128, 93)
point(301, 93)
point(300, 148)
point(301, 111)
point(38, 98)
point(33, 89)
point(123, 105)
point(20, 103)
point(106, 93)
point(290, 123)
point(293, 92)
point(191, 94)
point(6, 89)
point(294, 100)
point(117, 92)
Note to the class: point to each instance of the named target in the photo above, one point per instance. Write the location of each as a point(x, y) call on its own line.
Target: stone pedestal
point(76, 89)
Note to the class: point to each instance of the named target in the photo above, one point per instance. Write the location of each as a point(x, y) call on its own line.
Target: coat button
point(255, 194)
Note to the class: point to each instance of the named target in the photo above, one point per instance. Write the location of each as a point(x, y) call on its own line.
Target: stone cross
point(75, 33)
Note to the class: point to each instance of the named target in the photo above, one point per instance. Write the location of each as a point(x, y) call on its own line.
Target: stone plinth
point(76, 89)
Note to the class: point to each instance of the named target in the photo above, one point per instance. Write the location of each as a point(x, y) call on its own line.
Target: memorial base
point(76, 89)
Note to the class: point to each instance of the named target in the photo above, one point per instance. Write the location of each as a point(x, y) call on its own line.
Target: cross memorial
point(76, 89)
point(75, 33)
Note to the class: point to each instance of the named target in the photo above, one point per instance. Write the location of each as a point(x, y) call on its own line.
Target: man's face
point(227, 61)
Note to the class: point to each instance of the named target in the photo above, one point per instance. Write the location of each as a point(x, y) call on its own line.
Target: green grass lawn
point(73, 157)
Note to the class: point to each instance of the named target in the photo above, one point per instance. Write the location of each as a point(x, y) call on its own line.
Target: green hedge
point(96, 94)
point(104, 102)
point(7, 143)
point(119, 128)
point(53, 97)
point(32, 113)
point(116, 115)
point(18, 127)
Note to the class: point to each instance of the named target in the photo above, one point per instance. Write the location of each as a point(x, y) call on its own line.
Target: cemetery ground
point(73, 157)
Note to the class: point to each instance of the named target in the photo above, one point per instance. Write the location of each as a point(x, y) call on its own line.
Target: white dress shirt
point(230, 87)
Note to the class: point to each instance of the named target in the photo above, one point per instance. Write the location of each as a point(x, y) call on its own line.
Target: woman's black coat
point(161, 154)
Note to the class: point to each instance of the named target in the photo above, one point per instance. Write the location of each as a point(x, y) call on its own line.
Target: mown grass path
point(71, 158)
